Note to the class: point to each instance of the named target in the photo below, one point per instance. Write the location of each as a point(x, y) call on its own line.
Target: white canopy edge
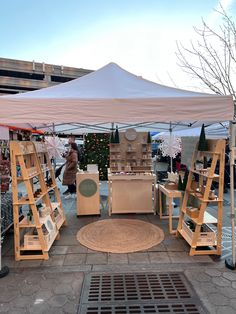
point(112, 94)
point(122, 110)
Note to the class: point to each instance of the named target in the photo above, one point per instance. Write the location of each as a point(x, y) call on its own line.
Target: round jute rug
point(120, 235)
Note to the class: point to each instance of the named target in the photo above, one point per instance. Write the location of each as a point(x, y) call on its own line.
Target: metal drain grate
point(136, 287)
point(135, 309)
point(138, 293)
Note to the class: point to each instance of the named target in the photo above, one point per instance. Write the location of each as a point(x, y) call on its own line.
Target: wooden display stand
point(131, 193)
point(88, 197)
point(202, 234)
point(171, 195)
point(131, 155)
point(130, 180)
point(35, 234)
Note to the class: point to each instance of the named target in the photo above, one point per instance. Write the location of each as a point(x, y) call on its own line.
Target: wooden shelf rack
point(195, 223)
point(36, 232)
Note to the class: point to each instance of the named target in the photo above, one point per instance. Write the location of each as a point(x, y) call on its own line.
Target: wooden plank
point(170, 193)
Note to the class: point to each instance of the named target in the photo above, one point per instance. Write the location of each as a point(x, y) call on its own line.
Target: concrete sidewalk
point(54, 286)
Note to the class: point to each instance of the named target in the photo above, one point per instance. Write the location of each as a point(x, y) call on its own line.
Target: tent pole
point(3, 270)
point(112, 127)
point(54, 134)
point(230, 262)
point(171, 159)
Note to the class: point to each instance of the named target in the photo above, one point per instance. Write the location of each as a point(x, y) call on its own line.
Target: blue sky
point(139, 35)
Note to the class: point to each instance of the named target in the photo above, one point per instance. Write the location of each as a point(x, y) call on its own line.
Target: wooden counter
point(88, 197)
point(131, 193)
point(171, 195)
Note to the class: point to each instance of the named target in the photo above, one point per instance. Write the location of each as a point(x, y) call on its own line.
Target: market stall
point(112, 94)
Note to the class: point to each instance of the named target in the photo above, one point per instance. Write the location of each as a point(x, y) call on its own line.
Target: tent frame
point(230, 262)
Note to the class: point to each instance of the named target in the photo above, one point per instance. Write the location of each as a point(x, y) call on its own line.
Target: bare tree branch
point(212, 58)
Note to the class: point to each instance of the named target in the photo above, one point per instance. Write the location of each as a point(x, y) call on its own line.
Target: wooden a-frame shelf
point(195, 223)
point(36, 232)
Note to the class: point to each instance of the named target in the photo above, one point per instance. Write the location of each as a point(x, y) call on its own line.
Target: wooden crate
point(207, 238)
point(192, 212)
point(31, 241)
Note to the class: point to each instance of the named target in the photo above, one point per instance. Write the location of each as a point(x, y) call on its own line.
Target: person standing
point(69, 176)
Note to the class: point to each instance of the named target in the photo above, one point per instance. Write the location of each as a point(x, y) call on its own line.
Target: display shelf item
point(203, 193)
point(40, 233)
point(205, 174)
point(131, 154)
point(32, 241)
point(205, 238)
point(44, 210)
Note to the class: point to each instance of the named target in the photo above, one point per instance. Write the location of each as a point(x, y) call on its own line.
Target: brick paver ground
point(54, 286)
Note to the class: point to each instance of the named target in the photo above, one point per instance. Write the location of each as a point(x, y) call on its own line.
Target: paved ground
point(54, 286)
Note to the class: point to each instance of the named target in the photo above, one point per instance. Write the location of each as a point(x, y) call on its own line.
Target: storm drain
point(138, 293)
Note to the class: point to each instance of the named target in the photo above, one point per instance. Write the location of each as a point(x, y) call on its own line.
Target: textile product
point(112, 94)
point(120, 235)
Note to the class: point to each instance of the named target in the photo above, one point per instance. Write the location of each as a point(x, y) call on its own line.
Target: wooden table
point(171, 195)
point(131, 193)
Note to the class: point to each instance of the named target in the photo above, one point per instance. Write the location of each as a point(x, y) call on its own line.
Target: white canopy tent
point(113, 95)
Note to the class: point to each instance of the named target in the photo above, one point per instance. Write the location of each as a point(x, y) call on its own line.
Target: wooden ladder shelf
point(36, 232)
point(200, 229)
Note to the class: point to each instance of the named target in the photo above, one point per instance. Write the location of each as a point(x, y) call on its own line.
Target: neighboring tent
point(22, 127)
point(214, 131)
point(112, 94)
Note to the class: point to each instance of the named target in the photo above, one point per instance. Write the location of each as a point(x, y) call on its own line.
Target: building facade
point(18, 76)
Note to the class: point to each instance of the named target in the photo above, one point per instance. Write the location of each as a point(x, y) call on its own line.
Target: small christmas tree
point(117, 137)
point(149, 138)
point(202, 145)
point(185, 180)
point(112, 139)
point(180, 184)
point(205, 163)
